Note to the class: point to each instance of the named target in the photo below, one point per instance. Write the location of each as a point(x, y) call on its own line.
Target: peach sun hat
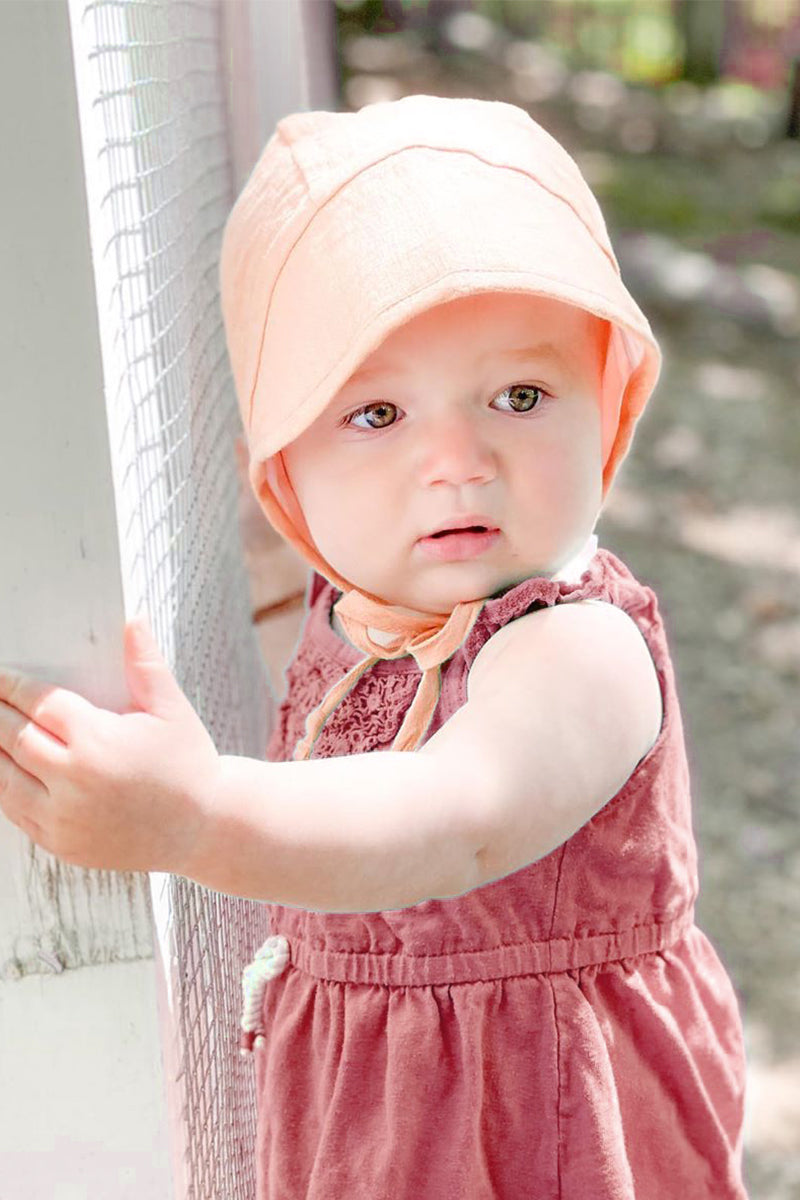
point(352, 223)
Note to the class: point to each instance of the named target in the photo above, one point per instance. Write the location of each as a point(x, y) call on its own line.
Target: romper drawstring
point(270, 961)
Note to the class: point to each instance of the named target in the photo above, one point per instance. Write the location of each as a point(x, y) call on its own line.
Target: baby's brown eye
point(529, 399)
point(381, 409)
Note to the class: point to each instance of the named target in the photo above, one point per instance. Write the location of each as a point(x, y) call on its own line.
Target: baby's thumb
point(150, 682)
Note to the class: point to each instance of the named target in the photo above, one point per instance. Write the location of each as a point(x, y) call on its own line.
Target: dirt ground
point(706, 509)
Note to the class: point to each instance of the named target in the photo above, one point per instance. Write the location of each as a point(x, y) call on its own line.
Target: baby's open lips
point(468, 529)
point(475, 523)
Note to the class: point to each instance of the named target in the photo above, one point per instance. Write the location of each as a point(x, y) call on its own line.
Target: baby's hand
point(123, 792)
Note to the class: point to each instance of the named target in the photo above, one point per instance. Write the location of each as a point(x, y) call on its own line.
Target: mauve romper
point(564, 1032)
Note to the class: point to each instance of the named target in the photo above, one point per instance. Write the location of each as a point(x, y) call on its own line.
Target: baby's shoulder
point(580, 633)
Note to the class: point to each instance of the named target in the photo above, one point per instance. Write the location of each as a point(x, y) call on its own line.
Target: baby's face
point(458, 422)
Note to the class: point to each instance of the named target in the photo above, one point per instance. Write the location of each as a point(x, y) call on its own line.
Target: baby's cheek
point(571, 491)
point(558, 478)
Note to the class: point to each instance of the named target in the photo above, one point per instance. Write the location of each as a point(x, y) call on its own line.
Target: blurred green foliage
point(641, 41)
point(779, 203)
point(670, 195)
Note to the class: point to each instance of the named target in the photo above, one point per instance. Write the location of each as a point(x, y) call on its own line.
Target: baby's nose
point(456, 448)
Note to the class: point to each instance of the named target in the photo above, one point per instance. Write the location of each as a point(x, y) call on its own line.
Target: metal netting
point(160, 186)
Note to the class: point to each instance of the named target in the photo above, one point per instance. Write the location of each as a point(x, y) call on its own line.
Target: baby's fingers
point(54, 709)
point(26, 744)
point(22, 798)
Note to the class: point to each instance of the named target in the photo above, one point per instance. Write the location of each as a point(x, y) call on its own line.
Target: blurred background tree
point(702, 41)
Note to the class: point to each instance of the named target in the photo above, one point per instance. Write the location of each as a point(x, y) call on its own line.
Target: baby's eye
point(380, 405)
point(528, 400)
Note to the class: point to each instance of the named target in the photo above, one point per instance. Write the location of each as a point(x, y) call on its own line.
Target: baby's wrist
point(220, 842)
point(195, 842)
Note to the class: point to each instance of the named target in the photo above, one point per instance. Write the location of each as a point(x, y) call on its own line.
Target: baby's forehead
point(485, 325)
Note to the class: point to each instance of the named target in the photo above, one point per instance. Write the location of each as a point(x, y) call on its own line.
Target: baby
point(485, 979)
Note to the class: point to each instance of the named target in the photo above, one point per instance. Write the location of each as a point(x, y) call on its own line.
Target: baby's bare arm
point(146, 790)
point(558, 717)
point(556, 721)
point(356, 833)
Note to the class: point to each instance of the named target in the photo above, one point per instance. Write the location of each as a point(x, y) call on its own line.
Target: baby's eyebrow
point(542, 350)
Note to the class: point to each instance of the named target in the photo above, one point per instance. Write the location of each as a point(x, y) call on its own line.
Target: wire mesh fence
point(156, 141)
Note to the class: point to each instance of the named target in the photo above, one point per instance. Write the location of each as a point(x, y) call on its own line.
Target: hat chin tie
point(430, 638)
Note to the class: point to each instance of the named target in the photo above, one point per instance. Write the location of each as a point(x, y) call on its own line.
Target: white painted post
point(82, 1111)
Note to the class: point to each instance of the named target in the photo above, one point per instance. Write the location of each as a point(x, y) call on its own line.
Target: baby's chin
point(438, 588)
point(441, 600)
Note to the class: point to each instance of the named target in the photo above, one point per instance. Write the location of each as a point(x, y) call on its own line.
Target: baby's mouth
point(467, 529)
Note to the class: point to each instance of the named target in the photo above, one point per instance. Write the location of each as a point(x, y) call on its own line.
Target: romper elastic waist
point(522, 958)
